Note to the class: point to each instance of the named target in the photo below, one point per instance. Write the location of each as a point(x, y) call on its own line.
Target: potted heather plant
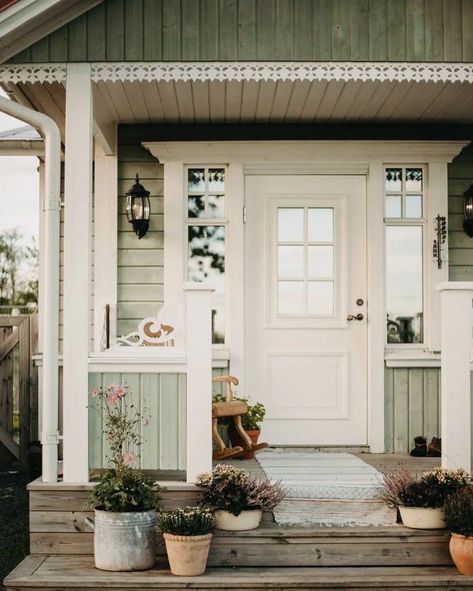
point(123, 499)
point(236, 498)
point(187, 534)
point(421, 500)
point(458, 510)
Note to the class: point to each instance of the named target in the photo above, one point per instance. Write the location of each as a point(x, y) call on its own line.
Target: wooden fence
point(18, 386)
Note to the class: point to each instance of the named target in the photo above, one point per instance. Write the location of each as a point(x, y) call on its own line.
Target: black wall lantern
point(138, 208)
point(468, 211)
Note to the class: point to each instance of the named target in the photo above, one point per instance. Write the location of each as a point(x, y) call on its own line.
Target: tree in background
point(18, 270)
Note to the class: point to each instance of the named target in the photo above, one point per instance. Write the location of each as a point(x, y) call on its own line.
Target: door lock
point(359, 302)
point(358, 317)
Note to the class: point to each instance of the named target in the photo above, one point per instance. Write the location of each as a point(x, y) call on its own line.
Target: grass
point(13, 520)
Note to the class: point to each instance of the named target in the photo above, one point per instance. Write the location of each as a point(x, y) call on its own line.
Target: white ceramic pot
point(187, 555)
point(124, 541)
point(423, 517)
point(246, 520)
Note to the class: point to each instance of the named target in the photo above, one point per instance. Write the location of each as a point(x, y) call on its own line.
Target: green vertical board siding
point(207, 30)
point(460, 177)
point(161, 398)
point(140, 273)
point(411, 406)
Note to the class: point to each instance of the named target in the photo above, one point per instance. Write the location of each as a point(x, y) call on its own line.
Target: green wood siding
point(164, 395)
point(460, 177)
point(140, 272)
point(227, 30)
point(412, 406)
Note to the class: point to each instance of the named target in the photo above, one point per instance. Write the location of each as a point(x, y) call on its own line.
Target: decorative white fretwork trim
point(151, 332)
point(246, 71)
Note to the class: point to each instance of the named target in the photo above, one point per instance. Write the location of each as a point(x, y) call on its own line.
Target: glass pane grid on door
point(305, 254)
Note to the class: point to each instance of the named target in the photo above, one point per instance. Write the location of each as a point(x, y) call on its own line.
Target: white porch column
point(77, 248)
point(456, 337)
point(199, 379)
point(105, 243)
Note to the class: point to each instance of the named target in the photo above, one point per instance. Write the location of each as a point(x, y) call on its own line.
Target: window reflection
point(207, 263)
point(404, 284)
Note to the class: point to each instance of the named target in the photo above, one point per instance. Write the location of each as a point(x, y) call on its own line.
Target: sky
point(19, 190)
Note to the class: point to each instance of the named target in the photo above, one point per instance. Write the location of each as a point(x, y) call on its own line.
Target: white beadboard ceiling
point(266, 101)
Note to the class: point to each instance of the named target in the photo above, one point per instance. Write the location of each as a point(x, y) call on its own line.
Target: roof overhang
point(22, 141)
point(27, 21)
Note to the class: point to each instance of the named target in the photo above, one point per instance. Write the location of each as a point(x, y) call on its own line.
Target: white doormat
point(327, 489)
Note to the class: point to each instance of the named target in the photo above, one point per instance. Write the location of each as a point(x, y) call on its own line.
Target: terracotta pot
point(253, 434)
point(187, 554)
point(423, 517)
point(461, 550)
point(243, 522)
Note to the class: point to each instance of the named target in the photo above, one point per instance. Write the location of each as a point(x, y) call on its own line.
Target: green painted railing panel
point(412, 406)
point(164, 438)
point(227, 30)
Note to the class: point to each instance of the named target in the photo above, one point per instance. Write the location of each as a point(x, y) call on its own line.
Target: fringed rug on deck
point(332, 489)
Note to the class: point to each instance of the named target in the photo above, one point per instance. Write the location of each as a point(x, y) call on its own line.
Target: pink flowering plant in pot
point(124, 500)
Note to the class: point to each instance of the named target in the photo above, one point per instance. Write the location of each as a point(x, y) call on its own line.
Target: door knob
point(350, 317)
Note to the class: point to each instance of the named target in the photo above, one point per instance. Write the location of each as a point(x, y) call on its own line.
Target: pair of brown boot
point(422, 450)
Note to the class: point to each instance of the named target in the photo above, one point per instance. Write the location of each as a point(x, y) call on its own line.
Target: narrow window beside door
point(405, 230)
point(206, 237)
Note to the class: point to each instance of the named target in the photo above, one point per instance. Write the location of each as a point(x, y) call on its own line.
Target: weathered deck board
point(56, 573)
point(387, 462)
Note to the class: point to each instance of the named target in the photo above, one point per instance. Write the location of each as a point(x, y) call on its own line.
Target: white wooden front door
point(305, 276)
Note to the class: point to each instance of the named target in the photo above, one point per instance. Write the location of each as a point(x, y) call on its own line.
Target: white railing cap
point(455, 286)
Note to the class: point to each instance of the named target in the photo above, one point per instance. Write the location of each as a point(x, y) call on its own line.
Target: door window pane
point(291, 298)
point(320, 224)
point(320, 300)
point(404, 284)
point(290, 224)
point(196, 206)
point(320, 262)
point(215, 206)
point(291, 262)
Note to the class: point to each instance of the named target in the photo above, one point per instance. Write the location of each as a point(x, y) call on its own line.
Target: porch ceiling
point(264, 101)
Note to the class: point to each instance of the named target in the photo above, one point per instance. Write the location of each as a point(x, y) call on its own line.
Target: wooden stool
point(233, 409)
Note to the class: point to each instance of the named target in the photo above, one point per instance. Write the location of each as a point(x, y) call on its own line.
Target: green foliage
point(123, 490)
point(458, 511)
point(252, 419)
point(187, 521)
point(18, 270)
point(402, 487)
point(230, 489)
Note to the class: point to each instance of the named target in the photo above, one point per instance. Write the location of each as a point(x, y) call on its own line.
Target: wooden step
point(276, 546)
point(38, 573)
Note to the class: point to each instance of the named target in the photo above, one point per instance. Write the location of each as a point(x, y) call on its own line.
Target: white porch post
point(77, 247)
point(456, 333)
point(105, 243)
point(199, 379)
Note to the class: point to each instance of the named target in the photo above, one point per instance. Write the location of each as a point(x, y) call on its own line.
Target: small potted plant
point(124, 500)
point(458, 510)
point(187, 534)
point(236, 498)
point(251, 422)
point(421, 500)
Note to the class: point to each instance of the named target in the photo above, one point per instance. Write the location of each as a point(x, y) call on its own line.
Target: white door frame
point(308, 157)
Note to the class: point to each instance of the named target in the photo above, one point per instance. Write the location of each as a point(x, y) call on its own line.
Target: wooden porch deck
point(55, 573)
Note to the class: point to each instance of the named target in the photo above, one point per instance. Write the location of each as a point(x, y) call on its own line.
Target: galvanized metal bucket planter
point(124, 541)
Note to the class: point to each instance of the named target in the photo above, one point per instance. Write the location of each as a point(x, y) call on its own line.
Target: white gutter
point(50, 289)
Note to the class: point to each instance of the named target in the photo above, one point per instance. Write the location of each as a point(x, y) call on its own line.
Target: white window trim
point(307, 157)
